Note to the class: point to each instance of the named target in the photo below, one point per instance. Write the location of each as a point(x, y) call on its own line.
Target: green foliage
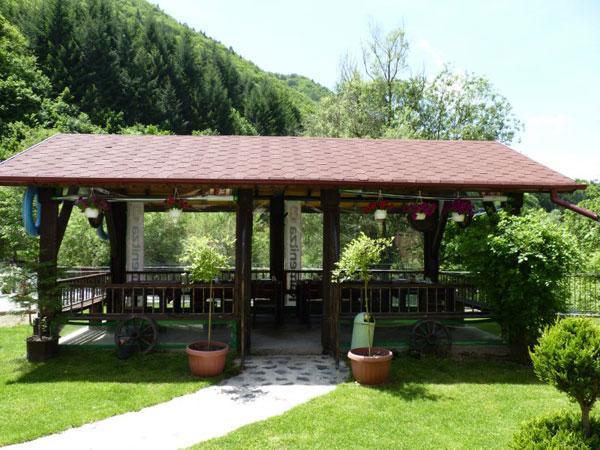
point(359, 257)
point(22, 84)
point(449, 106)
point(586, 231)
point(140, 129)
point(81, 245)
point(567, 356)
point(356, 109)
point(15, 244)
point(308, 87)
point(519, 264)
point(163, 239)
point(459, 106)
point(126, 63)
point(555, 432)
point(203, 260)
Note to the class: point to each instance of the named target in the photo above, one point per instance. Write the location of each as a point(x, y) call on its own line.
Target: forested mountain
point(125, 62)
point(305, 85)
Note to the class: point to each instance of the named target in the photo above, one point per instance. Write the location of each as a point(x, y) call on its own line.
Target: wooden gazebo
point(237, 173)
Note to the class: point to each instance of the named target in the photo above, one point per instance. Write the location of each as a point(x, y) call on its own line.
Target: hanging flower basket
point(460, 210)
point(379, 209)
point(420, 211)
point(91, 206)
point(175, 206)
point(420, 215)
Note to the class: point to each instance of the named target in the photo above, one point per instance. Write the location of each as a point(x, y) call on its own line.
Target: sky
point(544, 56)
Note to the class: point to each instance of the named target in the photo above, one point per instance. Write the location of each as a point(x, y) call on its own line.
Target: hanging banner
point(134, 256)
point(293, 245)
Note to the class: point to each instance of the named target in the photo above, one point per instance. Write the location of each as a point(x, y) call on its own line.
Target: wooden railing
point(167, 291)
point(83, 291)
point(161, 300)
point(411, 299)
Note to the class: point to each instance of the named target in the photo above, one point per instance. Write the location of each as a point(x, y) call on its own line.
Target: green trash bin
point(362, 332)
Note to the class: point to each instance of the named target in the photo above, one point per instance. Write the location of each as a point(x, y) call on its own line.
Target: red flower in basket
point(91, 206)
point(175, 206)
point(460, 208)
point(420, 211)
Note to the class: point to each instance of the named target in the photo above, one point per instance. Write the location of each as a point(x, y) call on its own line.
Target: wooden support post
point(276, 250)
point(48, 252)
point(243, 267)
point(432, 241)
point(63, 218)
point(515, 203)
point(330, 202)
point(116, 226)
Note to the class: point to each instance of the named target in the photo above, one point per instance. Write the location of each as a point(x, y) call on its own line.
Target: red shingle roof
point(105, 160)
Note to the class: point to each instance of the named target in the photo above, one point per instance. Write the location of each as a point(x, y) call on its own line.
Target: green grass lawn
point(80, 386)
point(430, 403)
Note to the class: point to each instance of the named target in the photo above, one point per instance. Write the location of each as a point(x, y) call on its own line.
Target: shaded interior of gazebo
point(240, 174)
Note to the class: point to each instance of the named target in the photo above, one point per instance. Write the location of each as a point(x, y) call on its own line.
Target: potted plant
point(460, 210)
point(175, 206)
point(370, 365)
point(91, 205)
point(421, 210)
point(204, 263)
point(378, 208)
point(43, 343)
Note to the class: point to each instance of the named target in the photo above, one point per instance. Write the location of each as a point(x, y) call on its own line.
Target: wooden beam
point(277, 249)
point(243, 267)
point(48, 251)
point(63, 217)
point(432, 241)
point(515, 203)
point(116, 226)
point(330, 202)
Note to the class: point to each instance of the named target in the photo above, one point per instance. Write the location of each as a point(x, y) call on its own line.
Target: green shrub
point(567, 356)
point(556, 432)
point(519, 263)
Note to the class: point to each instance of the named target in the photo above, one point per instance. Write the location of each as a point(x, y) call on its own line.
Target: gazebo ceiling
point(161, 162)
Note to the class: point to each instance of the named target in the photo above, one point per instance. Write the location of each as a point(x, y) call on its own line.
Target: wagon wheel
point(138, 332)
point(430, 336)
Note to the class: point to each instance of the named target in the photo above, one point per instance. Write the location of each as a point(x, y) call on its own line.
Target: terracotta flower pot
point(370, 370)
point(205, 362)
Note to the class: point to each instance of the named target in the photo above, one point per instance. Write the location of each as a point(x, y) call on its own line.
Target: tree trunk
point(585, 420)
point(519, 350)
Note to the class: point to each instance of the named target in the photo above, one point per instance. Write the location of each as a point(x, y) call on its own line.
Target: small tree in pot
point(204, 263)
point(369, 365)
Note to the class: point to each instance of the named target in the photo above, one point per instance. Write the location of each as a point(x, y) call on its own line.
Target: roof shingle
point(105, 160)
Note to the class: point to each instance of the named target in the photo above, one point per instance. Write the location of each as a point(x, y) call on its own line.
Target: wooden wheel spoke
point(140, 332)
point(430, 336)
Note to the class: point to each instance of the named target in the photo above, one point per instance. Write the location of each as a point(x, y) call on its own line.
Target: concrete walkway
point(269, 386)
